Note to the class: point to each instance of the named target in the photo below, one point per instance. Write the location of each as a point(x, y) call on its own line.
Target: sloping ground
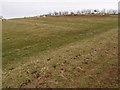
point(88, 60)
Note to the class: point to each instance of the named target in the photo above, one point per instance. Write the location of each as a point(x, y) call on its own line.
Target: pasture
point(60, 52)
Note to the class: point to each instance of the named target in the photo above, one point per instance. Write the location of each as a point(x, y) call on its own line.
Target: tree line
point(85, 11)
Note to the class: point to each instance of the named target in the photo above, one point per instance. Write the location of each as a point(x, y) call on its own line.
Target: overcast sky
point(21, 8)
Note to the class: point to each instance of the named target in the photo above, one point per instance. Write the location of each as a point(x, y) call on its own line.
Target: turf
point(64, 51)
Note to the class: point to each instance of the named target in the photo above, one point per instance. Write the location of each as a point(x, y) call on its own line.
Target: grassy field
point(60, 52)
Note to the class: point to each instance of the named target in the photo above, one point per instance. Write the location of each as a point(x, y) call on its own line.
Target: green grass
point(28, 43)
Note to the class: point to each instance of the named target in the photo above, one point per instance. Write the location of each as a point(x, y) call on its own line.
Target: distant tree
point(115, 11)
point(60, 13)
point(95, 10)
point(78, 12)
point(56, 13)
point(111, 11)
point(72, 13)
point(103, 11)
point(88, 11)
point(66, 12)
point(50, 14)
point(82, 12)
